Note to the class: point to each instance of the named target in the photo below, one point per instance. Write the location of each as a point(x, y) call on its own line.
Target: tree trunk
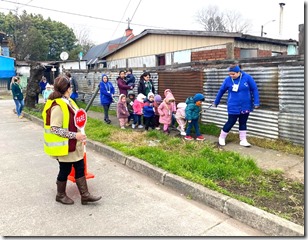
point(33, 86)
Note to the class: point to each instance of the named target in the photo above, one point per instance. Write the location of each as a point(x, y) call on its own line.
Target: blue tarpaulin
point(7, 68)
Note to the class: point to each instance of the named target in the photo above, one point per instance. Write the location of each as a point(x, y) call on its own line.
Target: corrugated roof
point(102, 49)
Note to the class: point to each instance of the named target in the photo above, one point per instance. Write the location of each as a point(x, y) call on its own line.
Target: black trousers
point(66, 167)
point(148, 122)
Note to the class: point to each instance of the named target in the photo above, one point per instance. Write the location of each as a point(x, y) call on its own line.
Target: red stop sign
point(80, 118)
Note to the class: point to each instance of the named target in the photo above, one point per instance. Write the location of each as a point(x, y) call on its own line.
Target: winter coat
point(148, 107)
point(180, 111)
point(16, 91)
point(142, 87)
point(242, 99)
point(122, 85)
point(130, 79)
point(173, 104)
point(192, 111)
point(106, 92)
point(122, 111)
point(130, 101)
point(138, 104)
point(165, 110)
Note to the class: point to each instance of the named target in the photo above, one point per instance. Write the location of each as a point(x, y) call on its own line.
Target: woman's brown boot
point(83, 189)
point(61, 194)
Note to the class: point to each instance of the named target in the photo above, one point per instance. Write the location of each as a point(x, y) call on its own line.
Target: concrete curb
point(266, 222)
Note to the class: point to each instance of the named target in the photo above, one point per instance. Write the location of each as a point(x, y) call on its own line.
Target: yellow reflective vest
point(55, 145)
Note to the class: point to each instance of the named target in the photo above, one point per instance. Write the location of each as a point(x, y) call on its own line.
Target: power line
point(77, 14)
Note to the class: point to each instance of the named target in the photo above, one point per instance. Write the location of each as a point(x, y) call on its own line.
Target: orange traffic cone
point(71, 176)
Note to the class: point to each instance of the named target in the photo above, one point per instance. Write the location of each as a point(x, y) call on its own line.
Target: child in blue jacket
point(192, 113)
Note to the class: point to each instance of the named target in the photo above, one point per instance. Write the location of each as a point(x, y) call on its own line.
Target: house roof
point(237, 36)
point(102, 49)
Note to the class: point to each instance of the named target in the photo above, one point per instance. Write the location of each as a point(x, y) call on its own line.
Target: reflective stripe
point(56, 144)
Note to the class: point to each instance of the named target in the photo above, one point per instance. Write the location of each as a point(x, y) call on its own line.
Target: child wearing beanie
point(157, 102)
point(192, 113)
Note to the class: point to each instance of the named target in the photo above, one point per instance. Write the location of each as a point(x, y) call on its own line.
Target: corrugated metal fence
point(281, 89)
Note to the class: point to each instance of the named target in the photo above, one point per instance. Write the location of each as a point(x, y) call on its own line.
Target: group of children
point(156, 111)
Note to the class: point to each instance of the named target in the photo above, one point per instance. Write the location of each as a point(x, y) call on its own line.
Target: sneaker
point(133, 126)
point(122, 127)
point(183, 133)
point(140, 126)
point(221, 141)
point(157, 128)
point(20, 117)
point(200, 138)
point(244, 143)
point(179, 128)
point(189, 138)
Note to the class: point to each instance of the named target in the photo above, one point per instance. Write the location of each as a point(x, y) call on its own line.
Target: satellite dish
point(64, 56)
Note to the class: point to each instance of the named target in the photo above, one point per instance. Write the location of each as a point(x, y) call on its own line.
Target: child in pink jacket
point(180, 117)
point(138, 110)
point(165, 112)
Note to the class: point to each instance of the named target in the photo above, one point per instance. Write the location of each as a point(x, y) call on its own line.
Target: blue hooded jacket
point(242, 99)
point(106, 91)
point(192, 111)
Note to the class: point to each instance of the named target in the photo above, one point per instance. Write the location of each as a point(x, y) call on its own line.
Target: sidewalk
point(291, 165)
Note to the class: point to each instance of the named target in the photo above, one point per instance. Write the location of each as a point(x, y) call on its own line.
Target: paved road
point(132, 204)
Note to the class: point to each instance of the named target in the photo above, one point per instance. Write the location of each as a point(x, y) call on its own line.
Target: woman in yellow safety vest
point(63, 140)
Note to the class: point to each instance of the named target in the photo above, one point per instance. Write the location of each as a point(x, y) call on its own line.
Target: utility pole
point(262, 26)
point(281, 17)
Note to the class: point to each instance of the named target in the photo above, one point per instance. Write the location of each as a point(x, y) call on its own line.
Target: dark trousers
point(148, 122)
point(194, 123)
point(156, 121)
point(130, 117)
point(106, 110)
point(66, 168)
point(232, 118)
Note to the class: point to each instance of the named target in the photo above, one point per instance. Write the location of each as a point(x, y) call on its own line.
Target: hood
point(121, 95)
point(166, 91)
point(140, 97)
point(157, 98)
point(150, 94)
point(182, 105)
point(169, 97)
point(103, 75)
point(131, 92)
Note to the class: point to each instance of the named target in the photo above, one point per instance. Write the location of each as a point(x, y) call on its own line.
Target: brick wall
point(264, 53)
point(208, 55)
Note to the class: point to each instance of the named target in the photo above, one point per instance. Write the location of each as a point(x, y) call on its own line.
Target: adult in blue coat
point(106, 96)
point(243, 97)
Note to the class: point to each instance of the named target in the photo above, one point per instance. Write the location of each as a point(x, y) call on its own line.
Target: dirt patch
point(274, 194)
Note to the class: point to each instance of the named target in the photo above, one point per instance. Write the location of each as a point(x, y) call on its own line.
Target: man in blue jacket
point(241, 87)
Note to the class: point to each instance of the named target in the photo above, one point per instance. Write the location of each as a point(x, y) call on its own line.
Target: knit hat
point(234, 69)
point(157, 98)
point(198, 97)
point(48, 85)
point(150, 94)
point(182, 105)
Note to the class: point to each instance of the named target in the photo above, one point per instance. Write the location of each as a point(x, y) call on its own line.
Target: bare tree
point(213, 20)
point(82, 35)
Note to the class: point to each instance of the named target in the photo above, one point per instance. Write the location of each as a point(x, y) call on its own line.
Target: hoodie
point(148, 108)
point(138, 104)
point(165, 110)
point(122, 111)
point(106, 90)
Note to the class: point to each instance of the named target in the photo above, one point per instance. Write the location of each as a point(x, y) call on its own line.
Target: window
point(248, 53)
point(161, 60)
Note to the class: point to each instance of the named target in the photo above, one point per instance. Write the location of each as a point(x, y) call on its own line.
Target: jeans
point(19, 106)
point(66, 167)
point(194, 123)
point(137, 119)
point(232, 118)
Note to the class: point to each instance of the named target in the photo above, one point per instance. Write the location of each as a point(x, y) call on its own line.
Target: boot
point(61, 195)
point(83, 189)
point(222, 138)
point(243, 140)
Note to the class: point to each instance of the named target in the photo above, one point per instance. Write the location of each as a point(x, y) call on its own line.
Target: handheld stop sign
point(80, 119)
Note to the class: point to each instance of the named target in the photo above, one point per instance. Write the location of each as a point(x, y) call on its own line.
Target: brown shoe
point(83, 190)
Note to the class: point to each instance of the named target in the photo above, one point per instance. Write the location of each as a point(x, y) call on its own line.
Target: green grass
point(202, 162)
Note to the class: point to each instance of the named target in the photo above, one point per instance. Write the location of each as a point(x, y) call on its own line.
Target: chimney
point(281, 16)
point(128, 32)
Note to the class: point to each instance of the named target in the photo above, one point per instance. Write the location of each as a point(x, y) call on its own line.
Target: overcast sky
point(101, 18)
